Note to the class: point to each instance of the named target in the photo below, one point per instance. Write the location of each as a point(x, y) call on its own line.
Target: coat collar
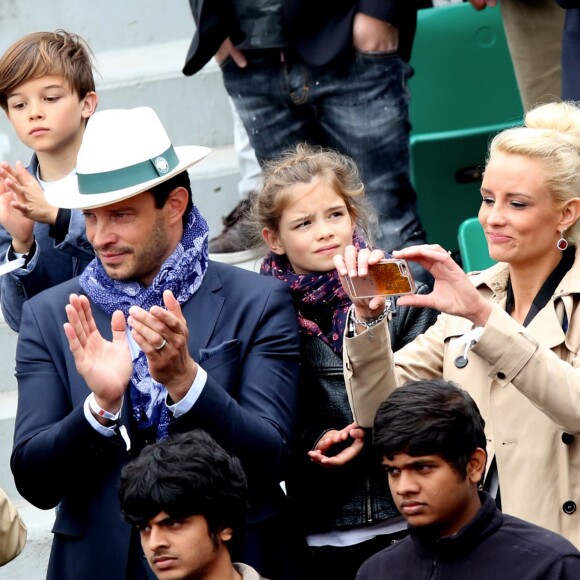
point(547, 325)
point(485, 523)
point(496, 278)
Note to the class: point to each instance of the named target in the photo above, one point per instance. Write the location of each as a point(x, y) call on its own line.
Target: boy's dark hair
point(161, 192)
point(43, 53)
point(430, 417)
point(184, 475)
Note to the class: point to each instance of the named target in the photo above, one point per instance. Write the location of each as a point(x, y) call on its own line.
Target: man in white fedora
point(157, 340)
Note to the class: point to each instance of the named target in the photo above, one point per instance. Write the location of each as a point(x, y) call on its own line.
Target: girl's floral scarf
point(318, 288)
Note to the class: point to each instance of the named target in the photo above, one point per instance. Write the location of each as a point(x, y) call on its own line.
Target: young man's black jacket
point(492, 546)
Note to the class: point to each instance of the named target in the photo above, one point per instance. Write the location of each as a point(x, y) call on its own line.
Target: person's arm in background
point(12, 530)
point(47, 264)
point(69, 235)
point(214, 22)
point(23, 205)
point(376, 26)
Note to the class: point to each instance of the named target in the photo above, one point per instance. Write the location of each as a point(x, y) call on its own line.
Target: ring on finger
point(163, 343)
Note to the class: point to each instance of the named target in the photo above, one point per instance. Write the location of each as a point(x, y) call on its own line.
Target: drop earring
point(562, 243)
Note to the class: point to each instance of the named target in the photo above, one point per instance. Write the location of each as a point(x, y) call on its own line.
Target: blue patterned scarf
point(182, 273)
point(316, 289)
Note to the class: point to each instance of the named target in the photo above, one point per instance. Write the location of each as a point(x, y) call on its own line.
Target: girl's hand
point(331, 438)
point(452, 293)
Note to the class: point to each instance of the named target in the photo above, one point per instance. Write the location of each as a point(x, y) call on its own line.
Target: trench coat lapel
point(546, 326)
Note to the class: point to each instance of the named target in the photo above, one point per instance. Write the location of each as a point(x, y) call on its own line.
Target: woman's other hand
point(453, 293)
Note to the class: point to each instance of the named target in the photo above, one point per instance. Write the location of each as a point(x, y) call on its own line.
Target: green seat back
point(473, 246)
point(446, 172)
point(463, 92)
point(463, 71)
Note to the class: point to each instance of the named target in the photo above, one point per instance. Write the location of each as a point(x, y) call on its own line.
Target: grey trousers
point(534, 34)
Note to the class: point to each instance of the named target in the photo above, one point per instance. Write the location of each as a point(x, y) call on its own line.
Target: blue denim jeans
point(358, 107)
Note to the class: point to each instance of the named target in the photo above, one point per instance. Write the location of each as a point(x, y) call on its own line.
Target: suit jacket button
point(569, 507)
point(500, 376)
point(567, 438)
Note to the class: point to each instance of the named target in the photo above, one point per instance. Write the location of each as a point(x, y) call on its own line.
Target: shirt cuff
point(187, 403)
point(60, 228)
point(29, 257)
point(106, 431)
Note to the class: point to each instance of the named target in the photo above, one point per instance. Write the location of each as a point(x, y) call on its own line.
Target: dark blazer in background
point(571, 50)
point(320, 30)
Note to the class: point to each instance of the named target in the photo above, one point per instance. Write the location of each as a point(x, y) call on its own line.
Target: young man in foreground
point(188, 498)
point(431, 437)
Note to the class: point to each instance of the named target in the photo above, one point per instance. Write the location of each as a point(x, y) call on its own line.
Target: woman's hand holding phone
point(453, 292)
point(355, 265)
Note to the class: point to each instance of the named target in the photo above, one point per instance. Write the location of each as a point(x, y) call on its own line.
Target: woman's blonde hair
point(551, 134)
point(300, 166)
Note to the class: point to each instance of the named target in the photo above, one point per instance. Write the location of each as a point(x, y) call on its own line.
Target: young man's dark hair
point(431, 438)
point(188, 498)
point(187, 474)
point(430, 417)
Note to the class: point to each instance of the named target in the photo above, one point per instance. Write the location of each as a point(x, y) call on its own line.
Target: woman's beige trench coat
point(526, 382)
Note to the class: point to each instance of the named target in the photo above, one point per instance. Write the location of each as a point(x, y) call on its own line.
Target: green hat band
point(125, 177)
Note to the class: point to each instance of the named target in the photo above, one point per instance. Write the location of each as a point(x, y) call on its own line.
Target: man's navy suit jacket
point(241, 325)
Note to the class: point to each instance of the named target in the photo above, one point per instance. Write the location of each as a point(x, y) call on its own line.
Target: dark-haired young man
point(431, 437)
point(188, 498)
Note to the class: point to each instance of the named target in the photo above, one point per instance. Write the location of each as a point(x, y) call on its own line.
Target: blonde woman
point(510, 335)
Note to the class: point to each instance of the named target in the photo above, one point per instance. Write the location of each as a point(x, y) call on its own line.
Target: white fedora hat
point(124, 152)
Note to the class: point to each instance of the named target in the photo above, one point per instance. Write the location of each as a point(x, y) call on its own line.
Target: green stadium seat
point(473, 246)
point(462, 93)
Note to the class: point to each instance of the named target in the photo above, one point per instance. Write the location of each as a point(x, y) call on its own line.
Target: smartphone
point(389, 277)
